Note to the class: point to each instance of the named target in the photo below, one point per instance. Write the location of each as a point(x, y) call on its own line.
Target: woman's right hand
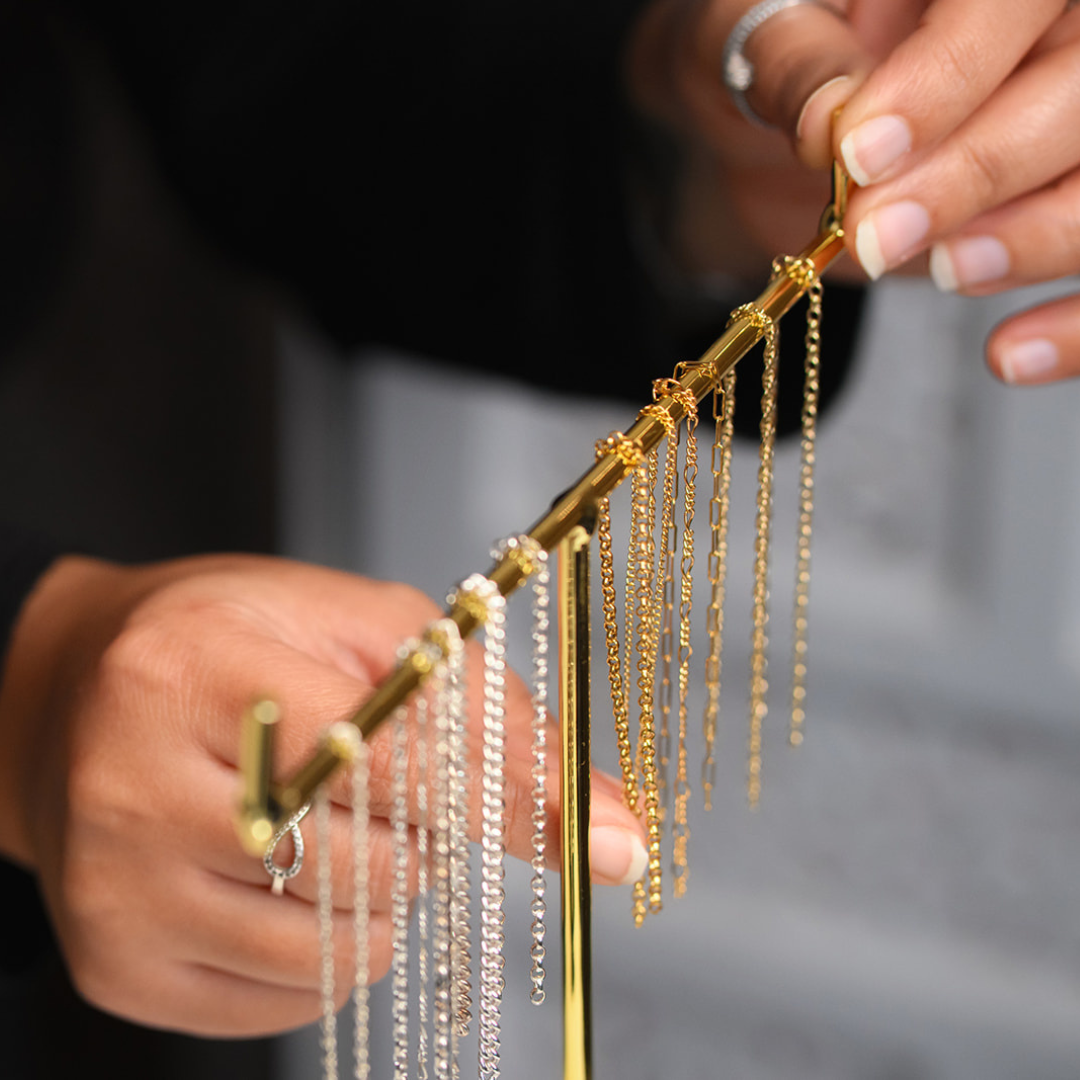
point(960, 120)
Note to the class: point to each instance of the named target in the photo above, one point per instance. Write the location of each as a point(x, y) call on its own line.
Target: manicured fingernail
point(1025, 361)
point(872, 148)
point(888, 236)
point(822, 89)
point(972, 261)
point(616, 855)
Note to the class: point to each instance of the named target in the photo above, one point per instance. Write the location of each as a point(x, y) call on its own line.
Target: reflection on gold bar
point(256, 819)
point(576, 889)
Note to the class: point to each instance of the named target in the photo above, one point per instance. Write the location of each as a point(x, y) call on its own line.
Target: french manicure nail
point(889, 235)
point(1025, 361)
point(971, 261)
point(872, 148)
point(616, 855)
point(824, 88)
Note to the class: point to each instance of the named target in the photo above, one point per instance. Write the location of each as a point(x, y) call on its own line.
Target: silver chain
point(493, 844)
point(326, 935)
point(541, 623)
point(460, 876)
point(361, 909)
point(423, 930)
point(399, 897)
point(441, 844)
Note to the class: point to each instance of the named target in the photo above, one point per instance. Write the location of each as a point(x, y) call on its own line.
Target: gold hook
point(255, 822)
point(832, 220)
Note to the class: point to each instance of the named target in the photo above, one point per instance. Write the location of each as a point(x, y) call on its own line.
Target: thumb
point(808, 61)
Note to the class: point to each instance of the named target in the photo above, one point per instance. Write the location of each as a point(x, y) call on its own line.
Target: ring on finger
point(737, 71)
point(281, 874)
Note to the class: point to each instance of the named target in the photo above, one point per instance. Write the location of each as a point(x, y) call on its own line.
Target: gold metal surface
point(256, 819)
point(574, 622)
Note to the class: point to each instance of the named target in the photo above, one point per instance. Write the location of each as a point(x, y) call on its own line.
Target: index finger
point(957, 56)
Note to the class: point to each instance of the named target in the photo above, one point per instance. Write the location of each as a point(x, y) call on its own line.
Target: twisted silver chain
point(537, 560)
point(423, 930)
point(460, 876)
point(326, 935)
point(493, 845)
point(399, 896)
point(441, 850)
point(361, 909)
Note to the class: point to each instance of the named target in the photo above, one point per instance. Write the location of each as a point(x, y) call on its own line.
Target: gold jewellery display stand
point(567, 528)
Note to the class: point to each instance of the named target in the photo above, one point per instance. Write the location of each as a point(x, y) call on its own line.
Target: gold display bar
point(698, 378)
point(575, 759)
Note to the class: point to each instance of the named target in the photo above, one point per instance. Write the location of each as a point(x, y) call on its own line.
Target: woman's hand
point(119, 733)
point(960, 121)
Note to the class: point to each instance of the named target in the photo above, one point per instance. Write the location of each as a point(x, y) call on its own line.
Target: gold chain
point(804, 271)
point(759, 684)
point(724, 419)
point(673, 389)
point(615, 444)
point(644, 497)
point(681, 826)
point(648, 895)
point(667, 629)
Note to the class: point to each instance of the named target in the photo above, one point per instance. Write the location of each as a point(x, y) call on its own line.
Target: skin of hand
point(119, 736)
point(960, 121)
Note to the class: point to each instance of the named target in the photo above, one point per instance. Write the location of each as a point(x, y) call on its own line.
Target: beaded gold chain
point(662, 603)
point(643, 600)
point(759, 684)
point(680, 824)
point(724, 420)
point(630, 454)
point(803, 270)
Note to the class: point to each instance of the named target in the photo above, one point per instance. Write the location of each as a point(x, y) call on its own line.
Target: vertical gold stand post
point(575, 763)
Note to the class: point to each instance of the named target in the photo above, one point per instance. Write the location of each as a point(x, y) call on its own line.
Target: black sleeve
point(24, 557)
point(447, 179)
point(450, 180)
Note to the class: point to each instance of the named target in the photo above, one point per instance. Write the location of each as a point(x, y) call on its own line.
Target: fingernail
point(823, 88)
point(888, 236)
point(1025, 361)
point(872, 148)
point(616, 855)
point(972, 261)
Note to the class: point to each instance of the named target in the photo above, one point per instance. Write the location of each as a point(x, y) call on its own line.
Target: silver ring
point(738, 72)
point(281, 874)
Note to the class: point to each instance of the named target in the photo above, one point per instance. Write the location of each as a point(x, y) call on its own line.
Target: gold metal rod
point(699, 378)
point(575, 759)
point(256, 758)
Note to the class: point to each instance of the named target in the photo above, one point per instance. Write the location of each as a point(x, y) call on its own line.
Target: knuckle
point(94, 980)
point(142, 653)
point(380, 862)
point(984, 168)
point(380, 950)
point(88, 982)
point(1066, 224)
point(961, 60)
point(409, 601)
point(98, 803)
point(381, 769)
point(517, 810)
